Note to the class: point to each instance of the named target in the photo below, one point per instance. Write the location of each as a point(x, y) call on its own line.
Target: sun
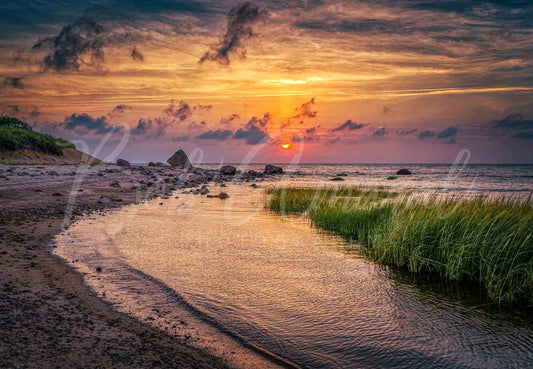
point(286, 146)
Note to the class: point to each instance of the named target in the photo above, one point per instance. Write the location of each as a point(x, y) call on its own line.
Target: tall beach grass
point(487, 241)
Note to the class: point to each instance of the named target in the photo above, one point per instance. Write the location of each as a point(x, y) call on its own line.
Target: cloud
point(155, 127)
point(219, 135)
point(306, 110)
point(119, 109)
point(405, 132)
point(448, 132)
point(513, 121)
point(15, 82)
point(380, 132)
point(13, 109)
point(252, 135)
point(84, 36)
point(229, 119)
point(180, 138)
point(426, 134)
point(333, 141)
point(523, 135)
point(84, 122)
point(348, 125)
point(136, 54)
point(183, 110)
point(311, 130)
point(241, 18)
point(81, 43)
point(34, 113)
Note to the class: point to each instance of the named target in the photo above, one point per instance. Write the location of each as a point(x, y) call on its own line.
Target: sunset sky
point(337, 81)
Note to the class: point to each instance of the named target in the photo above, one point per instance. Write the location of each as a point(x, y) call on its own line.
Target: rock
point(390, 178)
point(337, 179)
point(204, 190)
point(179, 159)
point(254, 185)
point(159, 164)
point(123, 163)
point(151, 164)
point(52, 173)
point(57, 194)
point(104, 200)
point(98, 269)
point(223, 195)
point(403, 172)
point(223, 185)
point(115, 184)
point(228, 170)
point(342, 174)
point(272, 169)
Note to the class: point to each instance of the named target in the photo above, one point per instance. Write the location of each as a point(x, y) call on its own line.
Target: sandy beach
point(48, 316)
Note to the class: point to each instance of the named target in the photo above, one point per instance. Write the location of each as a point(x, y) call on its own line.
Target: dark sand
point(48, 317)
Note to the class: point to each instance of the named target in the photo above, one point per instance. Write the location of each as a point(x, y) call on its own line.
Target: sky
point(383, 81)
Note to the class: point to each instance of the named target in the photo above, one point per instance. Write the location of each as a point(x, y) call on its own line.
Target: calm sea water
point(283, 285)
point(464, 180)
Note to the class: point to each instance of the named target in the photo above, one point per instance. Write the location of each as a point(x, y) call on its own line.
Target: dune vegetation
point(482, 240)
point(16, 135)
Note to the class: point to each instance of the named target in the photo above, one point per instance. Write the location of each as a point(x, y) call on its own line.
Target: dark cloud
point(348, 125)
point(180, 138)
point(311, 130)
point(300, 139)
point(13, 109)
point(34, 113)
point(84, 122)
point(405, 132)
point(528, 135)
point(333, 141)
point(241, 18)
point(380, 132)
point(252, 135)
point(82, 37)
point(81, 43)
point(426, 134)
point(183, 110)
point(306, 110)
point(513, 121)
point(444, 134)
point(15, 82)
point(155, 127)
point(260, 122)
point(219, 134)
point(448, 132)
point(229, 119)
point(136, 54)
point(119, 109)
point(358, 26)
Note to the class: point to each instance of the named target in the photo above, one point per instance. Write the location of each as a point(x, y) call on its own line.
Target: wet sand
point(48, 316)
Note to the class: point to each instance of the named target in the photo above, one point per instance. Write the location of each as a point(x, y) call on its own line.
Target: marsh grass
point(483, 240)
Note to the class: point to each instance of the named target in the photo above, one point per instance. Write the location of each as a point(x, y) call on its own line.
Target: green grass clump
point(64, 144)
point(486, 241)
point(15, 139)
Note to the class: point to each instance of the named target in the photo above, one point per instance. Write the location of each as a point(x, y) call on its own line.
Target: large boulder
point(228, 170)
point(272, 169)
point(123, 163)
point(179, 159)
point(403, 172)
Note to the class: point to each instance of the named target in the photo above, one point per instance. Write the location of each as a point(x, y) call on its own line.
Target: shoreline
point(49, 317)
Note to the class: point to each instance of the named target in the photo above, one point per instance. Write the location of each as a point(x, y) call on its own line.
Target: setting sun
point(286, 146)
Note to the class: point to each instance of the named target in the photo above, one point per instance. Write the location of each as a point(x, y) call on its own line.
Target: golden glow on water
point(285, 286)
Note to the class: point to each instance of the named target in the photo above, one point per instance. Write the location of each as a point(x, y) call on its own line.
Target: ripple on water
point(285, 286)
